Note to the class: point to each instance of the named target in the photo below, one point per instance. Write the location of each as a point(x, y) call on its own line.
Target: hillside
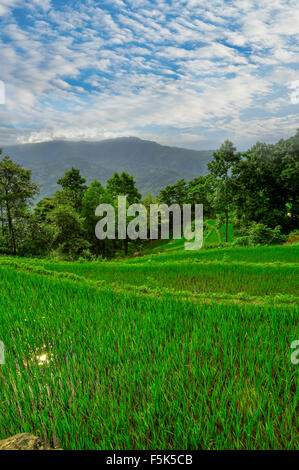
point(192, 349)
point(153, 165)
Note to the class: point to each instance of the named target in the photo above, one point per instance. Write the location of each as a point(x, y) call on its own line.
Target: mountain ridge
point(153, 165)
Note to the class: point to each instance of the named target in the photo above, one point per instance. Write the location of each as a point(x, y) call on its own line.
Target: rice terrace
point(149, 229)
point(141, 344)
point(172, 350)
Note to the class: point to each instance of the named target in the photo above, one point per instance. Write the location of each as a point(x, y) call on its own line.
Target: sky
point(188, 73)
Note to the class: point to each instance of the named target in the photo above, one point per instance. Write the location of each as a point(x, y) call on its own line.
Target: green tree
point(16, 190)
point(123, 185)
point(73, 183)
point(68, 228)
point(175, 193)
point(256, 181)
point(91, 199)
point(37, 236)
point(289, 177)
point(267, 184)
point(200, 191)
point(44, 207)
point(223, 162)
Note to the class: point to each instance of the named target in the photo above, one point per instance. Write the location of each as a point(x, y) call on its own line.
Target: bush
point(242, 241)
point(87, 255)
point(293, 237)
point(260, 234)
point(4, 247)
point(58, 256)
point(278, 237)
point(212, 246)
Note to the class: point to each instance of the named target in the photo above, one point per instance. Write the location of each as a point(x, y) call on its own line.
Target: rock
point(23, 442)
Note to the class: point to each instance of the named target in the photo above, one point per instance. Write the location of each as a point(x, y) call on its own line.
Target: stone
point(23, 442)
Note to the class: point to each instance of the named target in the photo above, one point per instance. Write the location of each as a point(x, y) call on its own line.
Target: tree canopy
point(257, 190)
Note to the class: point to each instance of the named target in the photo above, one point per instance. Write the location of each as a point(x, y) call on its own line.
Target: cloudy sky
point(182, 72)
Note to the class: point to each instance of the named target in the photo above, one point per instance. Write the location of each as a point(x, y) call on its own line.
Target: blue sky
point(181, 72)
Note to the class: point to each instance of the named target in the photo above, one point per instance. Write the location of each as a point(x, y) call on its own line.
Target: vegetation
point(16, 189)
point(126, 355)
point(173, 349)
point(240, 191)
point(146, 160)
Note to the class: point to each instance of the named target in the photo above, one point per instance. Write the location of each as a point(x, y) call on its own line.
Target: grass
point(212, 236)
point(94, 363)
point(255, 254)
point(195, 278)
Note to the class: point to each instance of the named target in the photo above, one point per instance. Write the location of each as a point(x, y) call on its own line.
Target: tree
point(67, 197)
point(16, 190)
point(69, 235)
point(290, 179)
point(44, 207)
point(267, 184)
point(256, 180)
point(73, 182)
point(91, 199)
point(200, 191)
point(37, 236)
point(224, 160)
point(123, 185)
point(175, 193)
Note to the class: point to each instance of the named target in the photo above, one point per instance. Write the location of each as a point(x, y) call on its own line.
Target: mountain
point(152, 165)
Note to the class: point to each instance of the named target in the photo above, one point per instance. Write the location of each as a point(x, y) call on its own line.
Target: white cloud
point(2, 92)
point(6, 5)
point(294, 95)
point(45, 5)
point(92, 72)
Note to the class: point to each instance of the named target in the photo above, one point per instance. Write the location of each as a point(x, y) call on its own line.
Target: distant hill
point(152, 165)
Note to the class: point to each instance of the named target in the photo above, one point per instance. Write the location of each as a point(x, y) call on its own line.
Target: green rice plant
point(208, 277)
point(100, 370)
point(252, 254)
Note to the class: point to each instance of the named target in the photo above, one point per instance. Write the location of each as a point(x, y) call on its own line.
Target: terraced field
point(177, 350)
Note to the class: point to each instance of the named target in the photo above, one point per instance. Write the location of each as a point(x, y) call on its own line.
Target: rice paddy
point(168, 351)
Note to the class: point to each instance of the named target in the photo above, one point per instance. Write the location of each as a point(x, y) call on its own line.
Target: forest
point(256, 191)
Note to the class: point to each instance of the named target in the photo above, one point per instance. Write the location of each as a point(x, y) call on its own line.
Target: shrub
point(212, 246)
point(242, 241)
point(278, 237)
point(260, 234)
point(4, 248)
point(87, 255)
point(293, 237)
